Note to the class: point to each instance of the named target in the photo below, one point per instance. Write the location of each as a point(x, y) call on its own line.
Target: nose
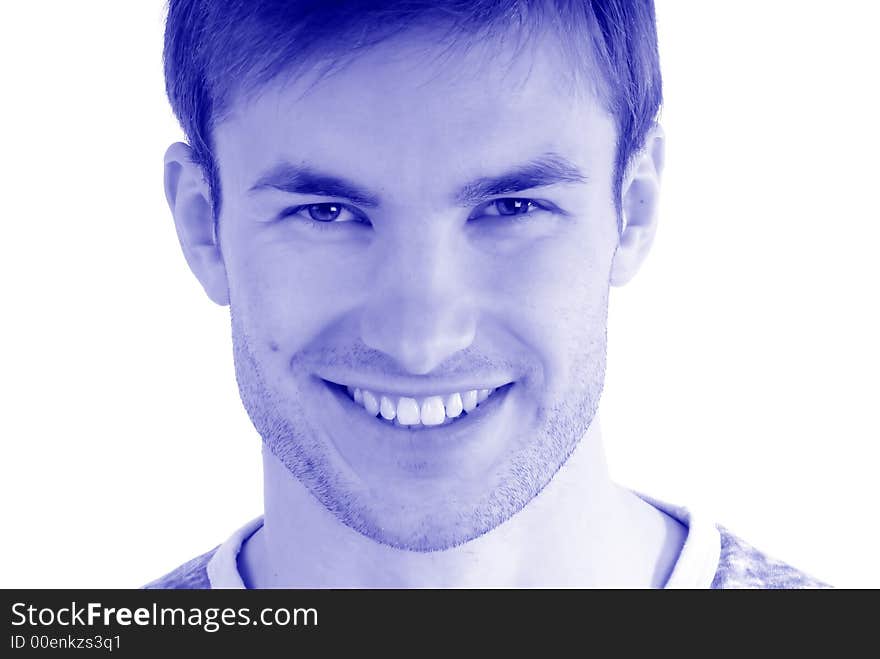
point(419, 310)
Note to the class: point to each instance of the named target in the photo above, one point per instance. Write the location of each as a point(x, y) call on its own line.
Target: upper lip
point(403, 386)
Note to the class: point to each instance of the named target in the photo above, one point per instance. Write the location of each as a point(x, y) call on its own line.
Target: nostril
point(419, 327)
point(417, 362)
point(419, 346)
point(421, 358)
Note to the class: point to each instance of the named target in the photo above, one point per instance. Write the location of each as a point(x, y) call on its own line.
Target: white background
point(743, 359)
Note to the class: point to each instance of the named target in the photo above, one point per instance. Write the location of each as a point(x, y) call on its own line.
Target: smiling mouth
point(415, 412)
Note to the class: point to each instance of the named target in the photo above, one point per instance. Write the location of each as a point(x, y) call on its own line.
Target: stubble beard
point(287, 431)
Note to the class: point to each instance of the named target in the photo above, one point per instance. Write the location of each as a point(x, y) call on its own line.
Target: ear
point(189, 198)
point(640, 194)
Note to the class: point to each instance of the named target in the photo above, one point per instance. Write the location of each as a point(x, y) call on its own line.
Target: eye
point(508, 207)
point(326, 213)
point(513, 206)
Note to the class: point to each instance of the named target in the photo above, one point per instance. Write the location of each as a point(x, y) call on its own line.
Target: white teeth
point(387, 409)
point(408, 411)
point(433, 413)
point(453, 405)
point(371, 405)
point(428, 411)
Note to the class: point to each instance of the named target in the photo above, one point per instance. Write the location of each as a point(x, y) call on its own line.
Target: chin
point(420, 528)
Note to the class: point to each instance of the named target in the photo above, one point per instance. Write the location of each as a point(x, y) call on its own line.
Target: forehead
point(409, 111)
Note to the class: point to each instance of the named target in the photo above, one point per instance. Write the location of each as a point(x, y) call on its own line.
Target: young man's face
point(400, 235)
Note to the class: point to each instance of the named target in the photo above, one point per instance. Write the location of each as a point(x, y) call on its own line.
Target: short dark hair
point(215, 49)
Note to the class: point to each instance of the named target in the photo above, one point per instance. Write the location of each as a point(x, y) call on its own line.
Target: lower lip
point(359, 435)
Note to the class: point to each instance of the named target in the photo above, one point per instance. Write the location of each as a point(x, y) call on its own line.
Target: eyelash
point(532, 205)
point(330, 225)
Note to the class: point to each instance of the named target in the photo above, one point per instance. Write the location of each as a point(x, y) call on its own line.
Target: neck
point(581, 530)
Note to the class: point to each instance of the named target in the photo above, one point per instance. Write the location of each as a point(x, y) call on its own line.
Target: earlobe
point(190, 202)
point(640, 194)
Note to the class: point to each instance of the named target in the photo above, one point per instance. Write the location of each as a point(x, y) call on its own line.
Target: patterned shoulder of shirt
point(743, 566)
point(191, 575)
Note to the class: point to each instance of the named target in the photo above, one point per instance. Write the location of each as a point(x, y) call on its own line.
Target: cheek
point(288, 297)
point(556, 299)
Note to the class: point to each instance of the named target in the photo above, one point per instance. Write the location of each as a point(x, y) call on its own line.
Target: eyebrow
point(305, 180)
point(548, 169)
